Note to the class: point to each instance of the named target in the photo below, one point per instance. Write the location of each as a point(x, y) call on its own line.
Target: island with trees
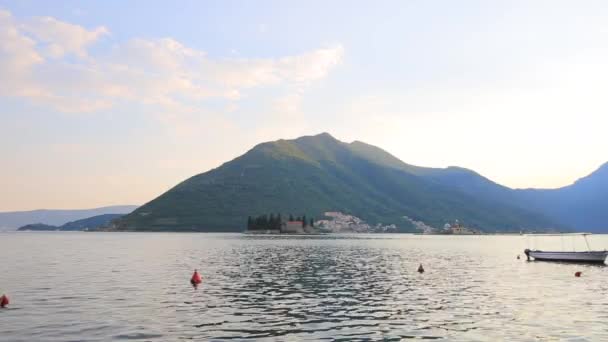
point(276, 224)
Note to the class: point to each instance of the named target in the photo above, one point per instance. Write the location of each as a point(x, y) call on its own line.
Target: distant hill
point(583, 205)
point(89, 223)
point(13, 220)
point(314, 174)
point(38, 227)
point(580, 206)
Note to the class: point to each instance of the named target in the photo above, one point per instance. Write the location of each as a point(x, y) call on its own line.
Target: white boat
point(588, 256)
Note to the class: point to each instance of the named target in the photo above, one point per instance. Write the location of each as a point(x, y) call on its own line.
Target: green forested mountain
point(315, 174)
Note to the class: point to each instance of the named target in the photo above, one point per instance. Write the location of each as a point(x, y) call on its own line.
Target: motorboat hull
point(585, 257)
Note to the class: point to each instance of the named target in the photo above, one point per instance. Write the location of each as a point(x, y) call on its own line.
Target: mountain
point(315, 174)
point(89, 223)
point(581, 205)
point(13, 220)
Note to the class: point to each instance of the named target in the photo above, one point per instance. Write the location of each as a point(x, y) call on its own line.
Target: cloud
point(60, 38)
point(18, 53)
point(304, 68)
point(311, 66)
point(49, 62)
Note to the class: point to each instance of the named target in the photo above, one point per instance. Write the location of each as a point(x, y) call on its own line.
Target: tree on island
point(260, 222)
point(274, 221)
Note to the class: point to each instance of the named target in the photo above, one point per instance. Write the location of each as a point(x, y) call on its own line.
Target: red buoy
point(4, 301)
point(196, 279)
point(578, 274)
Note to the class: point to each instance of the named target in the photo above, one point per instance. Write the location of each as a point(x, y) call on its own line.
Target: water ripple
point(99, 287)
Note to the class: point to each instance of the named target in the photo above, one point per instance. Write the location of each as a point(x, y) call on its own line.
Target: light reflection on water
point(103, 286)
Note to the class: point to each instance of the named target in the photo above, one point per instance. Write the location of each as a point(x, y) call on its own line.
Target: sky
point(113, 102)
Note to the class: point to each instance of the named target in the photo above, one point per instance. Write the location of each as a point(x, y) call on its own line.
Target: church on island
point(457, 229)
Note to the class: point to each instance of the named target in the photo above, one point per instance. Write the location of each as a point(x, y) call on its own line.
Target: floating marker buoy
point(196, 279)
point(420, 269)
point(517, 256)
point(4, 301)
point(578, 274)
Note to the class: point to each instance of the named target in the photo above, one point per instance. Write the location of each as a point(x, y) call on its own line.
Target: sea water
point(135, 286)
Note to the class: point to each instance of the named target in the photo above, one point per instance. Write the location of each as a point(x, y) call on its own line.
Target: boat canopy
point(583, 235)
point(558, 234)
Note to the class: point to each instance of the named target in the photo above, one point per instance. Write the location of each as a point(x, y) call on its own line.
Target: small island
point(274, 224)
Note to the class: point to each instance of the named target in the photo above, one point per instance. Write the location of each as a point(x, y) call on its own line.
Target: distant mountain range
point(580, 206)
point(315, 174)
point(16, 219)
point(90, 223)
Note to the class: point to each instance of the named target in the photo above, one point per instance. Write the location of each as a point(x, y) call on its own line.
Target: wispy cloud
point(49, 62)
point(58, 38)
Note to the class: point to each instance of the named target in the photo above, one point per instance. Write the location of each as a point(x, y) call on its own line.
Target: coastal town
point(338, 222)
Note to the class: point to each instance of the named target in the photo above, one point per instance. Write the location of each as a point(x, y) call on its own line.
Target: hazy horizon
point(113, 104)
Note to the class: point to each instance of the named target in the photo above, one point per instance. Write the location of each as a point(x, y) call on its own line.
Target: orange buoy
point(4, 301)
point(420, 269)
point(578, 274)
point(196, 279)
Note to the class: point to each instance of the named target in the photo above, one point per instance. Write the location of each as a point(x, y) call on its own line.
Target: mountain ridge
point(89, 223)
point(12, 220)
point(313, 174)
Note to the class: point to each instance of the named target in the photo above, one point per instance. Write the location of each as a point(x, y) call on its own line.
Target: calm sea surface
point(130, 286)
